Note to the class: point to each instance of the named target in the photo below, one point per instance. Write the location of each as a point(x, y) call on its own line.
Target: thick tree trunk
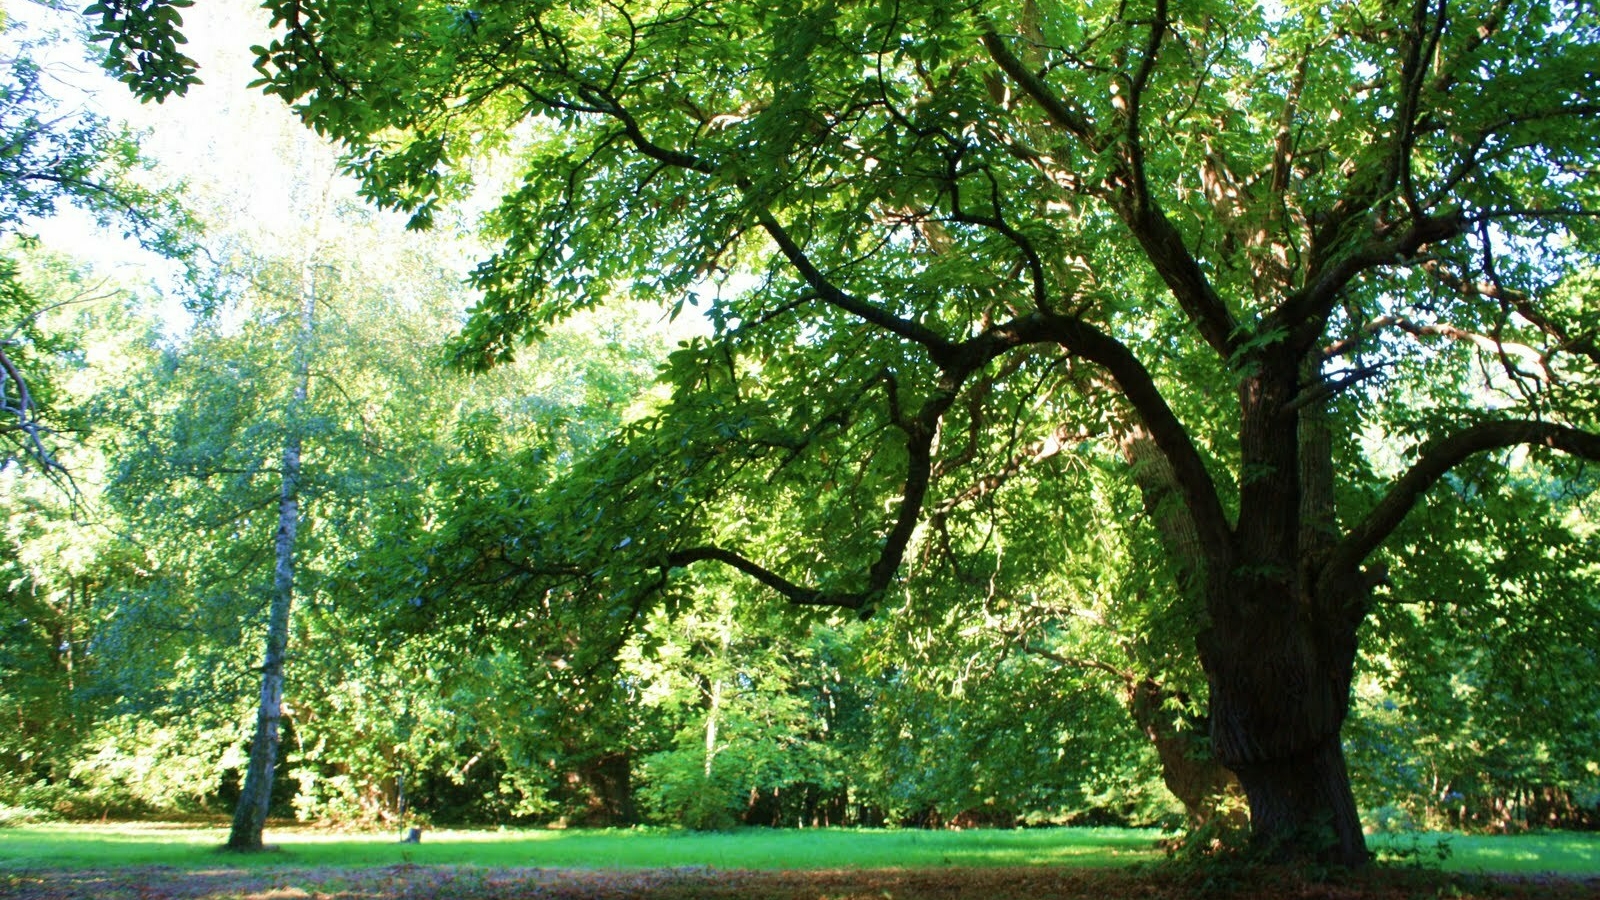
point(1280, 691)
point(1304, 803)
point(1280, 648)
point(255, 797)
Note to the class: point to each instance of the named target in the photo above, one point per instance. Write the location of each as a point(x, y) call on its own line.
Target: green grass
point(1557, 853)
point(112, 846)
point(191, 848)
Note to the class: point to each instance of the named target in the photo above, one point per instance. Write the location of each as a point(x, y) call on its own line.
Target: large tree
point(1292, 264)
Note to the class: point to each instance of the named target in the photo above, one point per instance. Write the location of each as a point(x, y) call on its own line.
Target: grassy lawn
point(1560, 853)
point(122, 845)
point(171, 862)
point(184, 847)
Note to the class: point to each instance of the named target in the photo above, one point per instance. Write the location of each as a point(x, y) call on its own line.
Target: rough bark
point(1303, 802)
point(1279, 696)
point(1280, 651)
point(255, 797)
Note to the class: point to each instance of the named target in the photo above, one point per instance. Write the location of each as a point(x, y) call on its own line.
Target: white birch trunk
point(255, 796)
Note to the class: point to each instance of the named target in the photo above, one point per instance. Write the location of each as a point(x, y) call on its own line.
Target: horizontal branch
point(1325, 390)
point(1523, 303)
point(797, 594)
point(1450, 332)
point(1078, 662)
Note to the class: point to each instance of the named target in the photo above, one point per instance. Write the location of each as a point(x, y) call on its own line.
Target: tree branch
point(1160, 240)
point(1057, 109)
point(1493, 345)
point(1131, 108)
point(1324, 390)
point(1077, 662)
point(996, 222)
point(938, 345)
point(1437, 459)
point(1283, 140)
point(920, 431)
point(1169, 434)
point(1058, 440)
point(824, 287)
point(27, 414)
point(797, 594)
point(1164, 247)
point(1304, 313)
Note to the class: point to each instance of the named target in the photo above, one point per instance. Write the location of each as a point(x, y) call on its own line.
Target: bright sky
point(221, 130)
point(236, 149)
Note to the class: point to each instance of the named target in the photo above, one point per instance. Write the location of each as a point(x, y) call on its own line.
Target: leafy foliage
point(142, 45)
point(51, 155)
point(1173, 320)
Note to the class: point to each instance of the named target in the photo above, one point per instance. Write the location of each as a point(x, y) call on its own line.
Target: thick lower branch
point(798, 594)
point(1437, 459)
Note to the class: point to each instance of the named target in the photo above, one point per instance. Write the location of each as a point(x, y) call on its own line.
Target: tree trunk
point(608, 781)
point(1304, 803)
point(713, 709)
point(1188, 768)
point(1280, 691)
point(1279, 650)
point(255, 797)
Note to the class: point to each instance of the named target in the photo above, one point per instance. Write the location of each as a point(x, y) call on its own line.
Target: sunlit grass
point(1560, 853)
point(197, 849)
point(75, 846)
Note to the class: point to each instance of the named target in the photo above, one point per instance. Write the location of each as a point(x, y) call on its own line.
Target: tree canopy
point(1277, 270)
point(52, 155)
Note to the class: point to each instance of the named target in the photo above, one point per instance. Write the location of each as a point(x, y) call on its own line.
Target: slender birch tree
point(256, 794)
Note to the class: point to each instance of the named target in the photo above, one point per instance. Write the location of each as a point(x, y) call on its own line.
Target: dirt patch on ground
point(410, 882)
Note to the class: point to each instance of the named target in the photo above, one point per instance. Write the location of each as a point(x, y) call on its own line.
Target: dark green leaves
point(142, 39)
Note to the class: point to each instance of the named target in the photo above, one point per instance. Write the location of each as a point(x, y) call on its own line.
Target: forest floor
point(416, 882)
